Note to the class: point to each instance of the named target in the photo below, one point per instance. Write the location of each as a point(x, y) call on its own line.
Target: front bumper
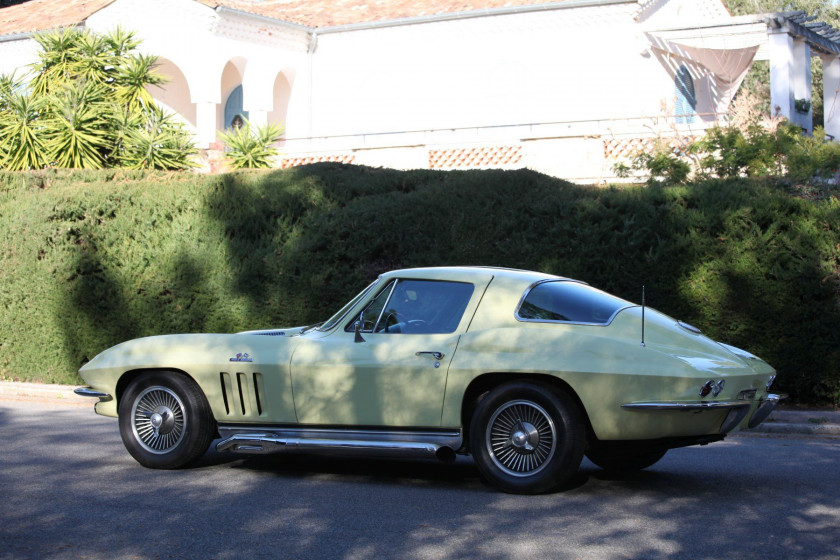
point(88, 392)
point(738, 409)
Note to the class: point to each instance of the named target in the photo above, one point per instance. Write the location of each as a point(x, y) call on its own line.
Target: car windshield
point(344, 310)
point(570, 302)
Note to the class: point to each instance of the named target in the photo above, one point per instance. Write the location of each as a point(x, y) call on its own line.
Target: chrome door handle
point(435, 355)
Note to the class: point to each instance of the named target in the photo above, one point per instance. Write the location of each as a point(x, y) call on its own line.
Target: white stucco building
point(566, 87)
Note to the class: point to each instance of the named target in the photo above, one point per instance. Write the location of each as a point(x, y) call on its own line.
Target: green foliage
point(87, 106)
point(158, 143)
point(89, 259)
point(813, 156)
point(664, 166)
point(250, 147)
point(22, 145)
point(751, 150)
point(76, 126)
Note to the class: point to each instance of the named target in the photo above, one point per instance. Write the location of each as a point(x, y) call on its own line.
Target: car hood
point(182, 350)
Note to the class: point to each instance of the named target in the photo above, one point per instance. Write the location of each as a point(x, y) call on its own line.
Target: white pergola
point(787, 40)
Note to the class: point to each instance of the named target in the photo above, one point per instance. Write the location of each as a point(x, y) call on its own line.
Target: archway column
point(802, 84)
point(258, 117)
point(206, 126)
point(831, 95)
point(790, 77)
point(781, 73)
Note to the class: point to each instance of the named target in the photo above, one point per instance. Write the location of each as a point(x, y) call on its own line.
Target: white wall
point(574, 64)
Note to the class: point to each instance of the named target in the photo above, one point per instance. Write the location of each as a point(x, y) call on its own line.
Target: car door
point(393, 371)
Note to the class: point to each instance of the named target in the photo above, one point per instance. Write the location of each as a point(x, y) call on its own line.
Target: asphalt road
point(69, 490)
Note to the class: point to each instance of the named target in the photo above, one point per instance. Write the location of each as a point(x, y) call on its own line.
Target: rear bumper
point(737, 410)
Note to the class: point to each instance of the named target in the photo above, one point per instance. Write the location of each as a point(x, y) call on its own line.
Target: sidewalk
point(781, 421)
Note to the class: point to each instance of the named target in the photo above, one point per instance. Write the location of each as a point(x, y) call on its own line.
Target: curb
point(55, 394)
point(798, 428)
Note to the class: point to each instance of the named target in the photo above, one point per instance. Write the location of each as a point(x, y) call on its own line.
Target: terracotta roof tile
point(40, 15)
point(328, 13)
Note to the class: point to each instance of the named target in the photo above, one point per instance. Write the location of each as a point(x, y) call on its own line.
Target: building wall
point(555, 90)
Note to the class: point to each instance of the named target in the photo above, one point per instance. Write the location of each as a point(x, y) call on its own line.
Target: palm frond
point(136, 73)
point(20, 133)
point(161, 143)
point(120, 42)
point(76, 130)
point(250, 147)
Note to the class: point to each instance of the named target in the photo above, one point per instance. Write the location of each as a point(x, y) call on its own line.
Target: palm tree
point(88, 106)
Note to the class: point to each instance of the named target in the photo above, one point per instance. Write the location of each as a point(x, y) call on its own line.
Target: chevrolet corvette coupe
point(525, 371)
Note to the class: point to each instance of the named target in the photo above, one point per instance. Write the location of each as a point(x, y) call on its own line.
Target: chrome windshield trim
point(384, 307)
point(88, 392)
point(686, 406)
point(535, 284)
point(329, 324)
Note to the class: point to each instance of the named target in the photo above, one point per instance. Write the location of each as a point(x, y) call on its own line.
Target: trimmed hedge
point(89, 259)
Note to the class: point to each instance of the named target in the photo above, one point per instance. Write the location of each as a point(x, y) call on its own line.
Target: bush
point(89, 259)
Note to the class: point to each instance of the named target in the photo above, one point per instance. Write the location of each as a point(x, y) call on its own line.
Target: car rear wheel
point(625, 458)
point(165, 420)
point(526, 438)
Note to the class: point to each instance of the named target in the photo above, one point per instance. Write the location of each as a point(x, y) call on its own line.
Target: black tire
point(527, 438)
point(625, 458)
point(165, 420)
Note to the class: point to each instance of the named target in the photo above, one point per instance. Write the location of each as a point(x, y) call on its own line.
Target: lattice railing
point(296, 161)
point(475, 158)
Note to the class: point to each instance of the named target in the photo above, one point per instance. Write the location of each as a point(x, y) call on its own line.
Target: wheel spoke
point(158, 419)
point(521, 438)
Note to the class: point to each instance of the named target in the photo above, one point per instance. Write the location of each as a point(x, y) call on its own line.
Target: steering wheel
point(416, 325)
point(392, 319)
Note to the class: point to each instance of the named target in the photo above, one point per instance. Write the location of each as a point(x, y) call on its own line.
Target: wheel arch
point(130, 375)
point(486, 382)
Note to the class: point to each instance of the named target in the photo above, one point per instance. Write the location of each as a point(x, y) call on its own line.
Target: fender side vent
point(224, 378)
point(242, 393)
point(257, 382)
point(242, 382)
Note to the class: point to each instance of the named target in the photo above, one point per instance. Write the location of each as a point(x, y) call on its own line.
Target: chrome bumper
point(738, 409)
point(88, 392)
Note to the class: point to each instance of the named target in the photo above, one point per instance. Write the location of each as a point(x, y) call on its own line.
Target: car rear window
point(569, 302)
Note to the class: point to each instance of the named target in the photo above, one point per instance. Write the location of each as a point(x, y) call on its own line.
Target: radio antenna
point(643, 315)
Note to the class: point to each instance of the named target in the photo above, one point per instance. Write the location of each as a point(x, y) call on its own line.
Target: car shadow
point(462, 473)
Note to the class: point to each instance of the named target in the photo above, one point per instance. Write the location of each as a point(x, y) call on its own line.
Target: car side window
point(569, 302)
point(417, 307)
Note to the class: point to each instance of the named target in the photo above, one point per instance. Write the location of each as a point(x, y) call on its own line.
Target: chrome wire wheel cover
point(521, 438)
point(158, 420)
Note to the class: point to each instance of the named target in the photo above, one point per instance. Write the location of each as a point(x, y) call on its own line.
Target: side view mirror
point(357, 328)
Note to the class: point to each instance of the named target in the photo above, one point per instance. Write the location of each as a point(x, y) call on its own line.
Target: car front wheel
point(527, 438)
point(165, 420)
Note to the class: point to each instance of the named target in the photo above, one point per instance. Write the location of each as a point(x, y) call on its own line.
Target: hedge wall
point(88, 259)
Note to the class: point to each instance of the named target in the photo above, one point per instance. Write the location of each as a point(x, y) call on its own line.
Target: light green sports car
point(527, 372)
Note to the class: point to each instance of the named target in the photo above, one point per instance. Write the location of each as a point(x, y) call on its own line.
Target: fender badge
point(242, 357)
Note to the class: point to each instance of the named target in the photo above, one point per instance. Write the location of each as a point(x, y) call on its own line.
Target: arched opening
point(234, 113)
point(232, 93)
point(174, 95)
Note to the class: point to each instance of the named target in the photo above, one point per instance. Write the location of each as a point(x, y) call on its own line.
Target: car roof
point(465, 272)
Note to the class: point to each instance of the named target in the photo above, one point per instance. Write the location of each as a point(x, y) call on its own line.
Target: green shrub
point(250, 147)
point(89, 259)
